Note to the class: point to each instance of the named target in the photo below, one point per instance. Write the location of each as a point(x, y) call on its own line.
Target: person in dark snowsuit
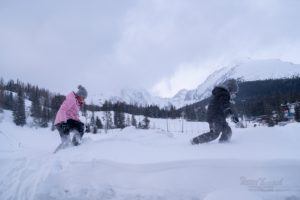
point(219, 109)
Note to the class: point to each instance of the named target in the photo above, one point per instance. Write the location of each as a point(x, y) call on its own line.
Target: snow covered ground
point(259, 163)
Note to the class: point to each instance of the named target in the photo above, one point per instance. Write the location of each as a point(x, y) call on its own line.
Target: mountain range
point(249, 70)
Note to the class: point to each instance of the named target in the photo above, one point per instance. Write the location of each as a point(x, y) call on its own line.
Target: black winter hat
point(231, 85)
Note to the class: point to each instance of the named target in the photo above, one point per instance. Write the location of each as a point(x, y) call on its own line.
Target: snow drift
point(259, 163)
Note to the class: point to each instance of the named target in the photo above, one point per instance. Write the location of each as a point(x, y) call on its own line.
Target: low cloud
point(163, 46)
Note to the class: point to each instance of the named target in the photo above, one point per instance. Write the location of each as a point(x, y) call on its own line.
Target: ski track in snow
point(149, 165)
point(54, 179)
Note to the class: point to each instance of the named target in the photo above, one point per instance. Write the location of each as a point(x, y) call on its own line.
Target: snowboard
point(62, 146)
point(67, 143)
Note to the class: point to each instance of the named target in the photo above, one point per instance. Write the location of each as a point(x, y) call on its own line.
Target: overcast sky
point(160, 45)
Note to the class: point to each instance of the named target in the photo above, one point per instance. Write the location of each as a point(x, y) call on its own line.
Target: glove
point(235, 119)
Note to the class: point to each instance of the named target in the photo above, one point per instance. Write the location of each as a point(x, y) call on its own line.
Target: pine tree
point(98, 123)
point(139, 125)
point(36, 109)
point(55, 105)
point(44, 118)
point(122, 120)
point(116, 119)
point(84, 111)
point(8, 102)
point(93, 123)
point(19, 114)
point(297, 113)
point(119, 119)
point(145, 123)
point(95, 130)
point(2, 84)
point(1, 94)
point(1, 100)
point(133, 121)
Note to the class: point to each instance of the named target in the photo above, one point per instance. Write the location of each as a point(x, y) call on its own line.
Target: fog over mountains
point(249, 70)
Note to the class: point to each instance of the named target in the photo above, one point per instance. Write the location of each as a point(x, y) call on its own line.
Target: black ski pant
point(216, 128)
point(64, 130)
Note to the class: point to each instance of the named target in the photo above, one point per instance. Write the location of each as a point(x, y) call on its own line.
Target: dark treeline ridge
point(255, 98)
point(153, 111)
point(45, 104)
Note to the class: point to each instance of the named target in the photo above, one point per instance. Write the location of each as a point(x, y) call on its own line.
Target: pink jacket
point(69, 109)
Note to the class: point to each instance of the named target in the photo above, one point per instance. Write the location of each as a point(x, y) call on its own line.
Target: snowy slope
point(247, 71)
point(259, 163)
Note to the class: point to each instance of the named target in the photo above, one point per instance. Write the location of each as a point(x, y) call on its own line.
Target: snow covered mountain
point(249, 70)
point(131, 96)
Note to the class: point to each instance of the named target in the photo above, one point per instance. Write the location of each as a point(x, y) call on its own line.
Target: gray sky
point(160, 45)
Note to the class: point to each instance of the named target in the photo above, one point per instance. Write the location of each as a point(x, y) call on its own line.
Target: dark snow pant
point(71, 125)
point(216, 128)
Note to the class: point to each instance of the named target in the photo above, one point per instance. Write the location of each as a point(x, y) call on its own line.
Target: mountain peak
point(247, 70)
point(180, 94)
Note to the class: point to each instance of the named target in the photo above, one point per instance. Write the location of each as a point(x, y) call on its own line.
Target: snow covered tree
point(128, 121)
point(108, 121)
point(19, 115)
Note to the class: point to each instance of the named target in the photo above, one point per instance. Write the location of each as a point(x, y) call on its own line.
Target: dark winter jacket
point(219, 106)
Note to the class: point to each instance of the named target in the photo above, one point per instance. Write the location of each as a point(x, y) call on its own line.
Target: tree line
point(45, 104)
point(256, 98)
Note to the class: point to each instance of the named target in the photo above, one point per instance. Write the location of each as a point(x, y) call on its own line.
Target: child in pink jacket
point(67, 117)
